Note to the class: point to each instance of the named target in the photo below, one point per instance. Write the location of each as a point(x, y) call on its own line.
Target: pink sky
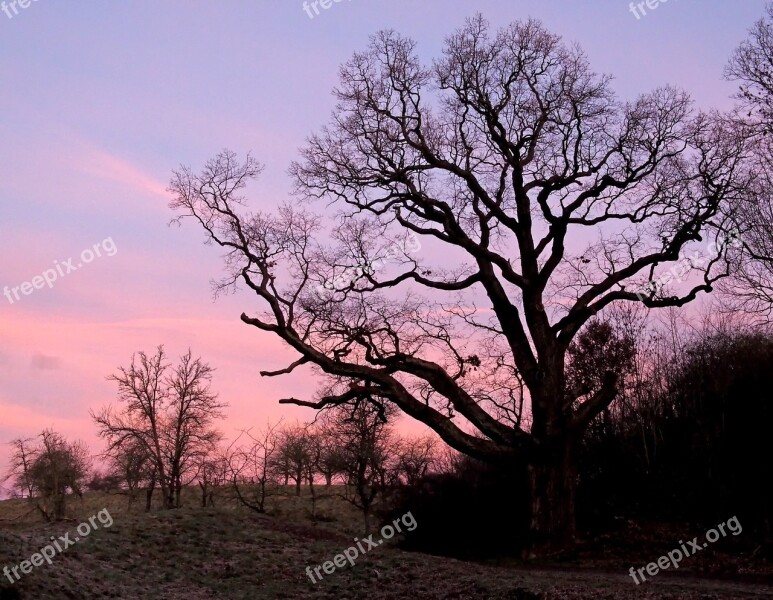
point(98, 103)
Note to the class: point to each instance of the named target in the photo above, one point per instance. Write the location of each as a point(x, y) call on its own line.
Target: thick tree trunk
point(553, 482)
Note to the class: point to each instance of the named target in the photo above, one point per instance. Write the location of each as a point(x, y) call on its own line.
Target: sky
point(99, 102)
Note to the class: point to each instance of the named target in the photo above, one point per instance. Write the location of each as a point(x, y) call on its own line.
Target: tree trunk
point(366, 519)
point(59, 504)
point(149, 495)
point(166, 491)
point(553, 482)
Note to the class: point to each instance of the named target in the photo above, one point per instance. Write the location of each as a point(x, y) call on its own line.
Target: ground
point(225, 553)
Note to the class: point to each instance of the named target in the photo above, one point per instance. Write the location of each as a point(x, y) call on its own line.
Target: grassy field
point(229, 553)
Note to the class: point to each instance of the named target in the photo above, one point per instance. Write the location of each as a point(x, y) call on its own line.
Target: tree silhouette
point(545, 200)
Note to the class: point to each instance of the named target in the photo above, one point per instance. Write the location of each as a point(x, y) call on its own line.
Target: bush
point(478, 511)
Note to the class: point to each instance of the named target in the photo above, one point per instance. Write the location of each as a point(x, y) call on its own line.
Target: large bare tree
point(539, 198)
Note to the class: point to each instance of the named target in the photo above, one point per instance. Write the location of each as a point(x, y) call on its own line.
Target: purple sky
point(100, 101)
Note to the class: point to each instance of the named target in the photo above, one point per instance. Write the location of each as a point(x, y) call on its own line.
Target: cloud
point(41, 362)
point(99, 163)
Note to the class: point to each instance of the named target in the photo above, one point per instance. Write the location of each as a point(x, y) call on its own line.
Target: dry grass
point(225, 553)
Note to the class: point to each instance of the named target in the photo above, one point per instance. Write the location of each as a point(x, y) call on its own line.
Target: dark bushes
point(477, 511)
point(693, 447)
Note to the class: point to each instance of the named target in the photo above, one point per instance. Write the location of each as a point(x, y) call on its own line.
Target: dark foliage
point(696, 454)
point(478, 511)
point(704, 452)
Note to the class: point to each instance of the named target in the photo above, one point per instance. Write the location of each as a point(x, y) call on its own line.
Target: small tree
point(598, 350)
point(331, 458)
point(212, 475)
point(49, 471)
point(131, 465)
point(22, 456)
point(251, 467)
point(416, 458)
point(169, 414)
point(105, 481)
point(294, 457)
point(367, 445)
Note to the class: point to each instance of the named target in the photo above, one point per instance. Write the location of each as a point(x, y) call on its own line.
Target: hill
point(224, 553)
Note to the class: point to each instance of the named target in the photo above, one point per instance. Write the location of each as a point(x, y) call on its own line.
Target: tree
point(213, 473)
point(331, 459)
point(252, 467)
point(105, 482)
point(505, 156)
point(416, 457)
point(130, 465)
point(684, 449)
point(294, 456)
point(49, 471)
point(22, 457)
point(169, 413)
point(597, 350)
point(751, 288)
point(750, 66)
point(129, 468)
point(368, 452)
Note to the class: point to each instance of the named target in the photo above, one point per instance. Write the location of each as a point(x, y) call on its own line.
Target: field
point(229, 553)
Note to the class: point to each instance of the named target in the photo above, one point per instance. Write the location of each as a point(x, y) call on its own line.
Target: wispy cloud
point(41, 362)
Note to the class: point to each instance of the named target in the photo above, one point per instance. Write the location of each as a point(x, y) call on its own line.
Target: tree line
point(162, 436)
